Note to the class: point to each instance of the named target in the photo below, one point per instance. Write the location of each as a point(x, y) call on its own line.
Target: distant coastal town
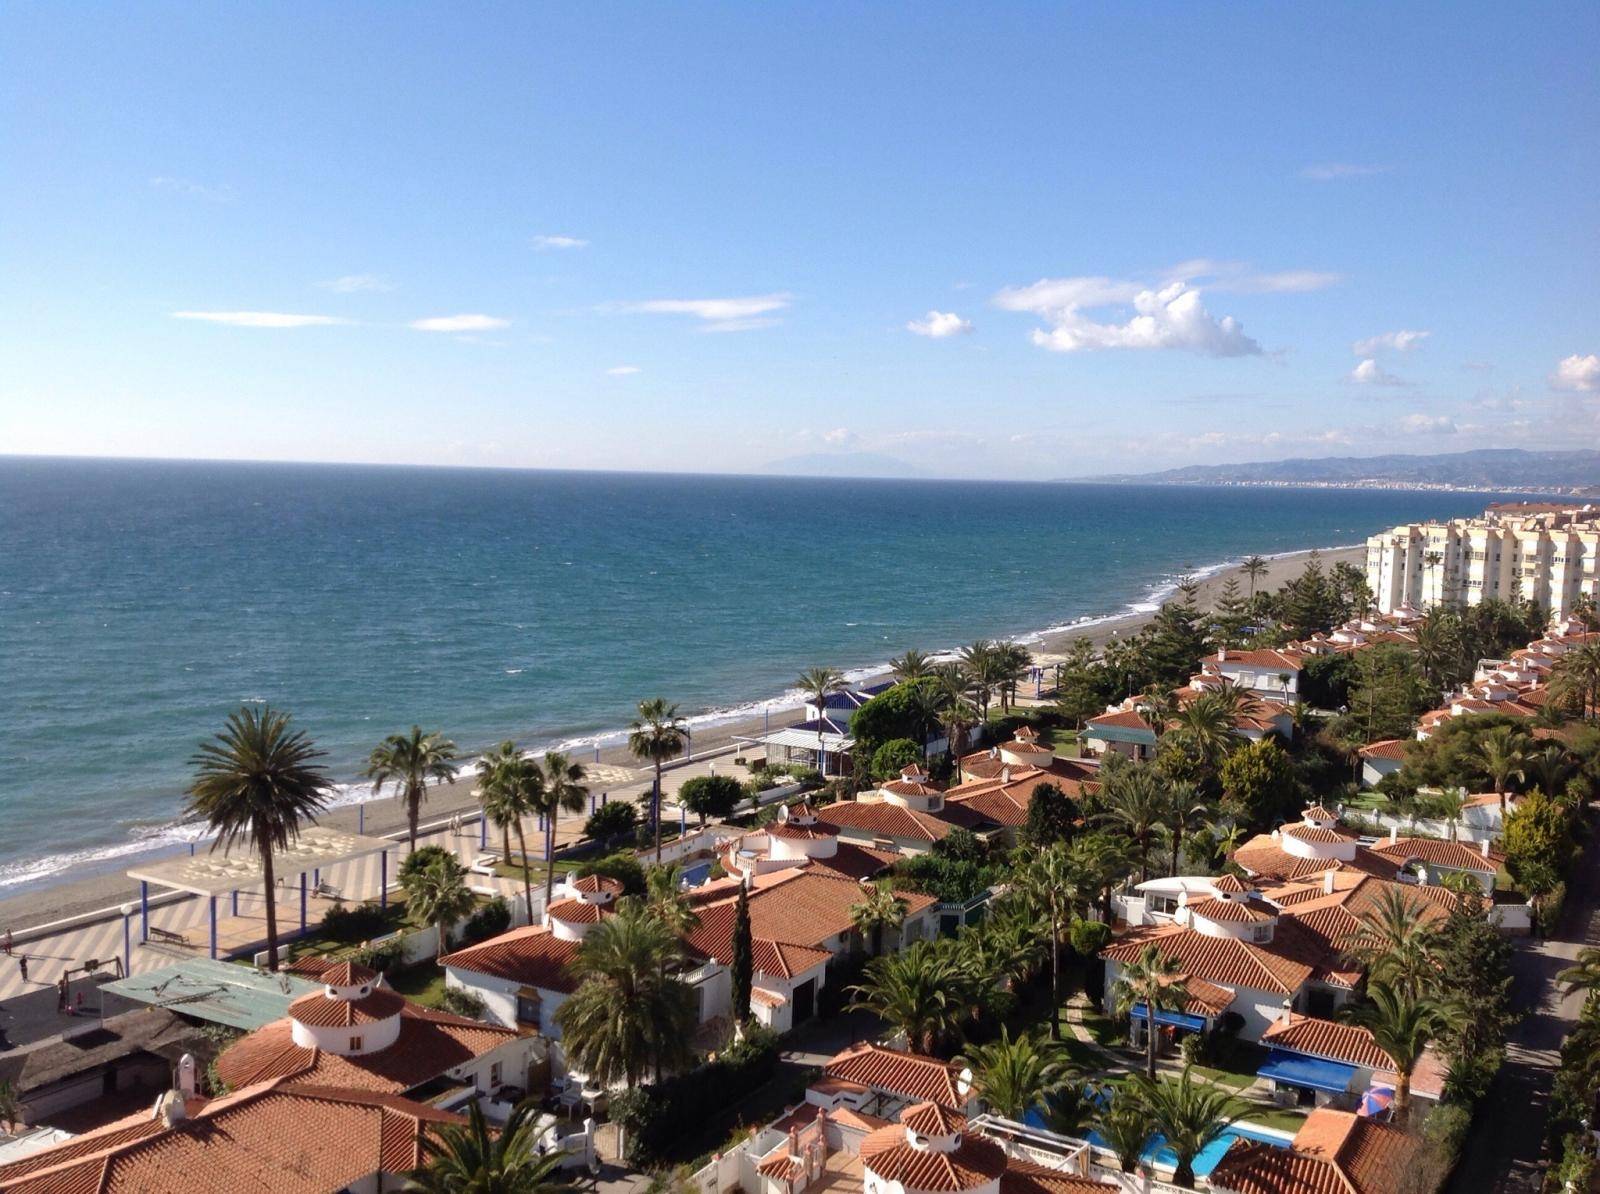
point(1230, 896)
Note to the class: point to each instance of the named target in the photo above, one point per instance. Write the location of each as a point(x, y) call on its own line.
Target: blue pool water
point(1157, 1153)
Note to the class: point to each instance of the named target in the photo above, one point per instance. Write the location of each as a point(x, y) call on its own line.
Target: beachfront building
point(1549, 554)
point(823, 740)
point(355, 1033)
point(999, 783)
point(1334, 1152)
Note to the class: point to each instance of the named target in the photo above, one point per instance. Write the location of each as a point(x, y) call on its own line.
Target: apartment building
point(1546, 554)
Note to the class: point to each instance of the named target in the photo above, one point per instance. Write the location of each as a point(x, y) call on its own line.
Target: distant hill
point(1487, 468)
point(843, 464)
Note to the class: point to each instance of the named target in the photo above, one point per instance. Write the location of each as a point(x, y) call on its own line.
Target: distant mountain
point(1487, 468)
point(844, 464)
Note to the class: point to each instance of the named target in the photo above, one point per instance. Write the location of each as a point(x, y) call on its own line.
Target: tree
point(625, 1017)
point(256, 783)
point(1575, 679)
point(611, 821)
point(1230, 616)
point(1503, 753)
point(498, 799)
point(511, 788)
point(879, 909)
point(816, 685)
point(894, 756)
point(913, 665)
point(471, 1159)
point(1259, 783)
point(958, 714)
point(1584, 973)
point(410, 762)
point(437, 894)
point(1255, 568)
point(1203, 730)
point(669, 903)
point(1475, 968)
point(984, 670)
point(562, 789)
point(1170, 647)
point(1151, 981)
point(657, 734)
point(925, 992)
point(1081, 684)
point(1396, 943)
point(1189, 1115)
point(1183, 813)
point(711, 796)
point(1402, 1024)
point(1051, 884)
point(1101, 860)
point(909, 710)
point(1124, 1124)
point(1387, 695)
point(742, 964)
point(1135, 805)
point(1013, 1075)
point(1538, 833)
point(1052, 817)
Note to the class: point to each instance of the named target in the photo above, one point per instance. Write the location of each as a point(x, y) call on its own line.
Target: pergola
point(213, 873)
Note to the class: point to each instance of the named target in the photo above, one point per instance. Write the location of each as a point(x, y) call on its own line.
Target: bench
point(168, 936)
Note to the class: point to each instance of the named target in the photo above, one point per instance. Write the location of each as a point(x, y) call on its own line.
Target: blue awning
point(1172, 1019)
point(1311, 1073)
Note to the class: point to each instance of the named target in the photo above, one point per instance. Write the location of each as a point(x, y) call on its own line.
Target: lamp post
point(127, 937)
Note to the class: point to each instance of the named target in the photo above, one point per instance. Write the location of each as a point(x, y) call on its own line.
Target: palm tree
point(1584, 973)
point(1189, 1115)
point(878, 910)
point(983, 665)
point(625, 1017)
point(667, 901)
point(816, 685)
point(496, 796)
point(657, 734)
point(1014, 1075)
point(1550, 770)
point(1576, 679)
point(411, 762)
point(1155, 980)
point(562, 788)
point(1007, 945)
point(924, 991)
point(1011, 664)
point(1395, 944)
point(1438, 644)
point(1254, 568)
point(1403, 1024)
point(437, 894)
point(913, 665)
point(1431, 561)
point(471, 1159)
point(1183, 813)
point(257, 783)
point(1052, 884)
point(1503, 755)
point(1137, 806)
point(1204, 728)
point(958, 713)
point(1124, 1125)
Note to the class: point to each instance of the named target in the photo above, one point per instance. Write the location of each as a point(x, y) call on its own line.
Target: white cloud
point(1579, 373)
point(1172, 317)
point(190, 189)
point(1236, 277)
point(839, 436)
point(260, 319)
point(939, 324)
point(719, 315)
point(623, 370)
point(358, 283)
point(1370, 373)
point(1401, 341)
point(1333, 171)
point(461, 323)
point(1427, 425)
point(544, 243)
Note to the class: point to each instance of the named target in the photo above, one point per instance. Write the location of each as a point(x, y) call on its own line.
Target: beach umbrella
point(1376, 1101)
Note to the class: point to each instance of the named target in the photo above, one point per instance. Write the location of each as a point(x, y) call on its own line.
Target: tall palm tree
point(958, 714)
point(625, 1018)
point(1204, 728)
point(1136, 804)
point(878, 910)
point(411, 762)
point(816, 685)
point(1402, 1024)
point(1395, 944)
point(924, 991)
point(1184, 811)
point(913, 665)
point(1550, 770)
point(1576, 679)
point(1431, 562)
point(1052, 884)
point(437, 894)
point(562, 789)
point(1503, 755)
point(1011, 664)
point(667, 901)
point(1155, 980)
point(1584, 973)
point(1254, 568)
point(1438, 644)
point(470, 1158)
point(657, 734)
point(1189, 1114)
point(1124, 1125)
point(495, 795)
point(983, 666)
point(1015, 1074)
point(257, 782)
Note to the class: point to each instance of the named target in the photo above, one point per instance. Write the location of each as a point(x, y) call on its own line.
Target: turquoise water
point(140, 602)
point(1157, 1152)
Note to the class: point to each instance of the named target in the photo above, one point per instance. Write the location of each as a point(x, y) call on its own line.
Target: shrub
point(711, 795)
point(461, 1002)
point(421, 859)
point(1089, 937)
point(893, 757)
point(488, 921)
point(622, 866)
point(892, 714)
point(610, 821)
point(364, 921)
point(381, 958)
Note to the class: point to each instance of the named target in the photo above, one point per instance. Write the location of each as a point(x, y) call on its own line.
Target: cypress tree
point(743, 962)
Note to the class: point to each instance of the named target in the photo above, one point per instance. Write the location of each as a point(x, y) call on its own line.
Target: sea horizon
point(147, 599)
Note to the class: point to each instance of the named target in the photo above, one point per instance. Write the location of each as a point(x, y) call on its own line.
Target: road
point(1503, 1149)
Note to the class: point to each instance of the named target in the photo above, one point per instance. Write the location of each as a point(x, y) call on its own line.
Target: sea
point(143, 601)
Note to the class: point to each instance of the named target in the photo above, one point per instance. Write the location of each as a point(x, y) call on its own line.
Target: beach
point(72, 894)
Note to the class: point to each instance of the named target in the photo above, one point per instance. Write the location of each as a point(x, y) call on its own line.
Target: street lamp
point(127, 938)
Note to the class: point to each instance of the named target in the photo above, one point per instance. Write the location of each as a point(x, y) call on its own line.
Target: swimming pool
point(1157, 1153)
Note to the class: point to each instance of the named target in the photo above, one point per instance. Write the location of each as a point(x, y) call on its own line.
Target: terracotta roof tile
point(1335, 1152)
point(974, 1164)
point(321, 1011)
point(1234, 911)
point(1457, 855)
point(531, 956)
point(1326, 1038)
point(1223, 960)
point(892, 1071)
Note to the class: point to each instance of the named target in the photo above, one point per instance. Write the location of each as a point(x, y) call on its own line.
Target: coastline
point(97, 883)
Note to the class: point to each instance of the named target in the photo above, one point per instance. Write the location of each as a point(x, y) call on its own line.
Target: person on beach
point(22, 965)
point(63, 999)
point(6, 945)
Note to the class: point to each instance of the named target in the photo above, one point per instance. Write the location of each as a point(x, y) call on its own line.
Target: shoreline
point(95, 883)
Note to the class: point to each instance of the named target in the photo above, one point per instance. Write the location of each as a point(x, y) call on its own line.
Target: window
point(355, 1044)
point(529, 1006)
point(494, 1075)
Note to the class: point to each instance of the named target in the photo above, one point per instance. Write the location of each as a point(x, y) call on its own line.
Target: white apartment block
point(1546, 554)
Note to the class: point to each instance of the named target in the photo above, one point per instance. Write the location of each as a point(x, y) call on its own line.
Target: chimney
point(1327, 881)
point(1394, 834)
point(1005, 775)
point(1222, 654)
point(170, 1109)
point(1485, 844)
point(186, 1076)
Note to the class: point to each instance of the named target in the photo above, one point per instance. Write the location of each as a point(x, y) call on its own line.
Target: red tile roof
point(1264, 858)
point(531, 956)
point(590, 884)
point(1456, 855)
point(1335, 1152)
point(1234, 911)
point(930, 1119)
point(885, 820)
point(856, 862)
point(1024, 1177)
point(1389, 748)
point(1289, 661)
point(576, 912)
point(1327, 1038)
point(321, 1011)
point(976, 1162)
point(1223, 960)
point(1318, 834)
point(892, 1071)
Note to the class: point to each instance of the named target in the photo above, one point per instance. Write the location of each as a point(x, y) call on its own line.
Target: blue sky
point(984, 240)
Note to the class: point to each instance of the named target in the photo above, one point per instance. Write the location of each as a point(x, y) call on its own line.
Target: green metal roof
point(217, 992)
point(1120, 734)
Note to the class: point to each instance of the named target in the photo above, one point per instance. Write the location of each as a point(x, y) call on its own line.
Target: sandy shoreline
point(62, 896)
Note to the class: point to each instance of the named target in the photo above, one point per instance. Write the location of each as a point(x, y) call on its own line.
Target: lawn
point(1269, 1115)
point(423, 983)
